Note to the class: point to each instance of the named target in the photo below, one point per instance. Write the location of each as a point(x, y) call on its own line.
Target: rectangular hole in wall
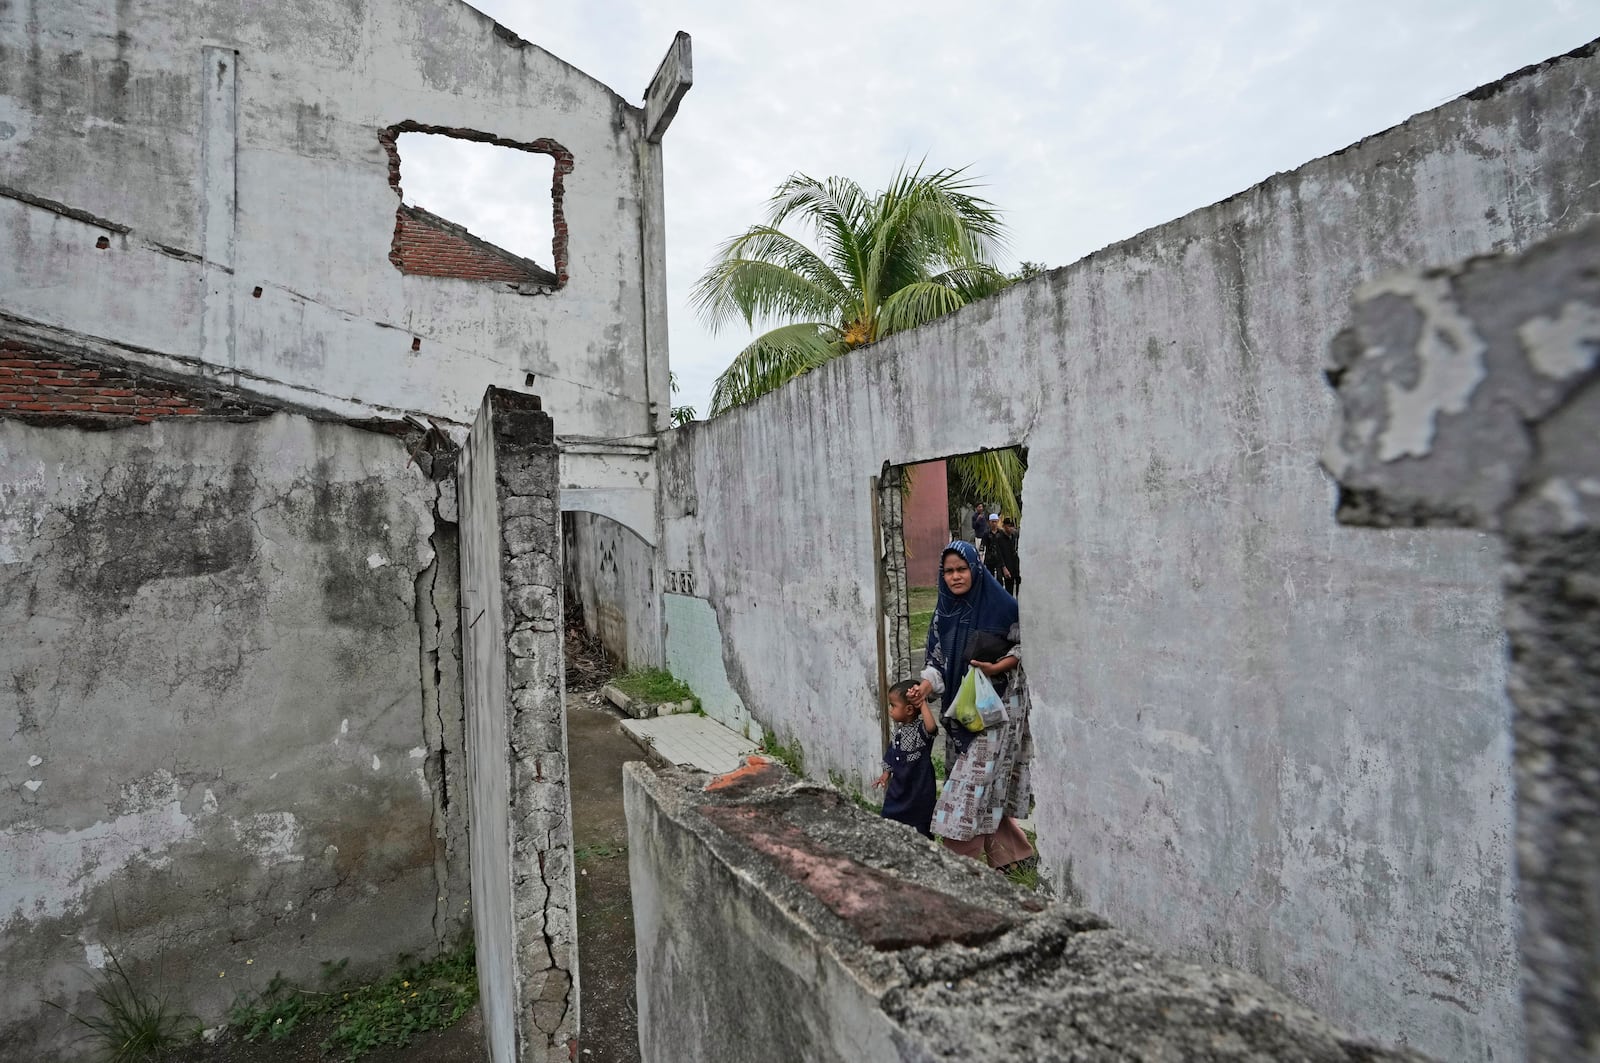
point(477, 207)
point(921, 508)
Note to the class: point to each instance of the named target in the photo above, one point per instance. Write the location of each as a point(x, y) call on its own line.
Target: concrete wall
point(786, 918)
point(203, 181)
point(611, 572)
point(522, 887)
point(1263, 739)
point(231, 713)
point(1471, 397)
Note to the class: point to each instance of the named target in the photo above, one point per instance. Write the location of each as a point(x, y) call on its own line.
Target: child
point(908, 771)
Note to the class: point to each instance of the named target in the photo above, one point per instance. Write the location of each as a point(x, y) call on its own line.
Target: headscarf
point(985, 607)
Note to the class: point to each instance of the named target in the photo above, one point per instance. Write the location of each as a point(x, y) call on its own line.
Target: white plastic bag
point(990, 707)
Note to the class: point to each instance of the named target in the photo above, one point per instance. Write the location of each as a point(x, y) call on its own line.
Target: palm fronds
point(773, 359)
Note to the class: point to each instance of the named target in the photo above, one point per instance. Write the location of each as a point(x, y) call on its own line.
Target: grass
point(600, 851)
point(790, 756)
point(137, 1025)
point(655, 685)
point(853, 792)
point(922, 602)
point(389, 1012)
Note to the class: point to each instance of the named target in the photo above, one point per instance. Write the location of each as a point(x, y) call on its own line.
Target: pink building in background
point(927, 522)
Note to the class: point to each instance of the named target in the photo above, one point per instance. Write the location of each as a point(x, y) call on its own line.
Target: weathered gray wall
point(231, 718)
point(611, 572)
point(521, 812)
point(229, 153)
point(1263, 739)
point(781, 922)
point(1470, 397)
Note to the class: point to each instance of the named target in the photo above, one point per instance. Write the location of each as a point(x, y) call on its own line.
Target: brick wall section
point(543, 146)
point(428, 245)
point(45, 385)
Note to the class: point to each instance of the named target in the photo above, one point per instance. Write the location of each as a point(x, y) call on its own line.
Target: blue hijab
point(985, 607)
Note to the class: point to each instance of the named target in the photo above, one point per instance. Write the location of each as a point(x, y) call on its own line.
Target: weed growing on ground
point(654, 685)
point(790, 756)
point(852, 790)
point(1026, 876)
point(137, 1026)
point(601, 851)
point(421, 997)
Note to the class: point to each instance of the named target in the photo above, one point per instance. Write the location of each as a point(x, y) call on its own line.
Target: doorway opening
point(919, 509)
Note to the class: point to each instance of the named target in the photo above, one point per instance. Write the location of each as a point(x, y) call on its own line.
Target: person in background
point(908, 762)
point(1002, 556)
point(980, 524)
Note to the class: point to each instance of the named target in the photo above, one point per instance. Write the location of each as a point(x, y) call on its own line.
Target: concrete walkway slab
point(691, 740)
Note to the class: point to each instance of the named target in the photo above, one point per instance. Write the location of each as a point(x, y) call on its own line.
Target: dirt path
point(606, 959)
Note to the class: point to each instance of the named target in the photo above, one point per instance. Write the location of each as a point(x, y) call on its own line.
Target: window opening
point(478, 207)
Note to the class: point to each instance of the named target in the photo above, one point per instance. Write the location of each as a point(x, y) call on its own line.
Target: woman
point(975, 625)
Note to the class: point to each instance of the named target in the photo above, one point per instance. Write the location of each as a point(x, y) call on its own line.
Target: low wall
point(1263, 739)
point(780, 921)
point(231, 710)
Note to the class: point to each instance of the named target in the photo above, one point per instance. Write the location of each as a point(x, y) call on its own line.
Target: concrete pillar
point(519, 804)
point(1471, 398)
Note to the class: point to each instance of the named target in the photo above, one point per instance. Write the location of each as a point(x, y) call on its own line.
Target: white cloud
point(1090, 121)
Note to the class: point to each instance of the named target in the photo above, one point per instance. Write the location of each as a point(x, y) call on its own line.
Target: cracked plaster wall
point(521, 813)
point(1263, 739)
point(1470, 397)
point(232, 726)
point(247, 216)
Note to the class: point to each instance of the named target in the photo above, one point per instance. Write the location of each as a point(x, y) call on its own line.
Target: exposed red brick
point(39, 384)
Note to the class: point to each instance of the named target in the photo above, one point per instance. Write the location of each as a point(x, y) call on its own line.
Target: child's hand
point(881, 781)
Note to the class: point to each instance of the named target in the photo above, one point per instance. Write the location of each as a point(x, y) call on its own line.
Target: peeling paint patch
point(376, 763)
point(1450, 353)
point(35, 760)
point(1181, 741)
point(271, 837)
point(1562, 346)
point(376, 560)
point(46, 874)
point(94, 954)
point(34, 784)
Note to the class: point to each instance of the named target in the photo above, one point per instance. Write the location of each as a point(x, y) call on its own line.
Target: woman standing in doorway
point(975, 626)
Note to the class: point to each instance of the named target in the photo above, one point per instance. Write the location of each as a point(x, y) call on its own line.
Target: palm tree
point(923, 247)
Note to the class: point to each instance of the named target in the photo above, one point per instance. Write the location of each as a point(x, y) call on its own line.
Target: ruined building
point(280, 583)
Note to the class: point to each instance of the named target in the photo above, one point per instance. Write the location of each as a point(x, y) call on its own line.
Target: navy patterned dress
point(911, 793)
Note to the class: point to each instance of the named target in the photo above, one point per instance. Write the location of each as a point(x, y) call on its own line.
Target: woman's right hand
point(920, 692)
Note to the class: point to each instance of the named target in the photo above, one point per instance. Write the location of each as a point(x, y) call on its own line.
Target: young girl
point(908, 762)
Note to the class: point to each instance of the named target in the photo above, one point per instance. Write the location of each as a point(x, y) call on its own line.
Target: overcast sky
point(1088, 122)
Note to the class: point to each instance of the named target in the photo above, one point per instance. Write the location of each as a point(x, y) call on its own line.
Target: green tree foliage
point(917, 250)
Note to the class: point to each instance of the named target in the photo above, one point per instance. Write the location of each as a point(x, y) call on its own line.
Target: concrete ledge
point(640, 709)
point(775, 919)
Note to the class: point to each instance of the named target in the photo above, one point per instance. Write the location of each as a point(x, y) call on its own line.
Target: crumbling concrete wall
point(783, 916)
point(230, 707)
point(521, 813)
point(200, 181)
point(1263, 739)
point(1471, 398)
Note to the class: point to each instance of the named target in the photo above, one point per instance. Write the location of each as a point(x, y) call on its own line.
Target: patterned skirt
point(992, 778)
